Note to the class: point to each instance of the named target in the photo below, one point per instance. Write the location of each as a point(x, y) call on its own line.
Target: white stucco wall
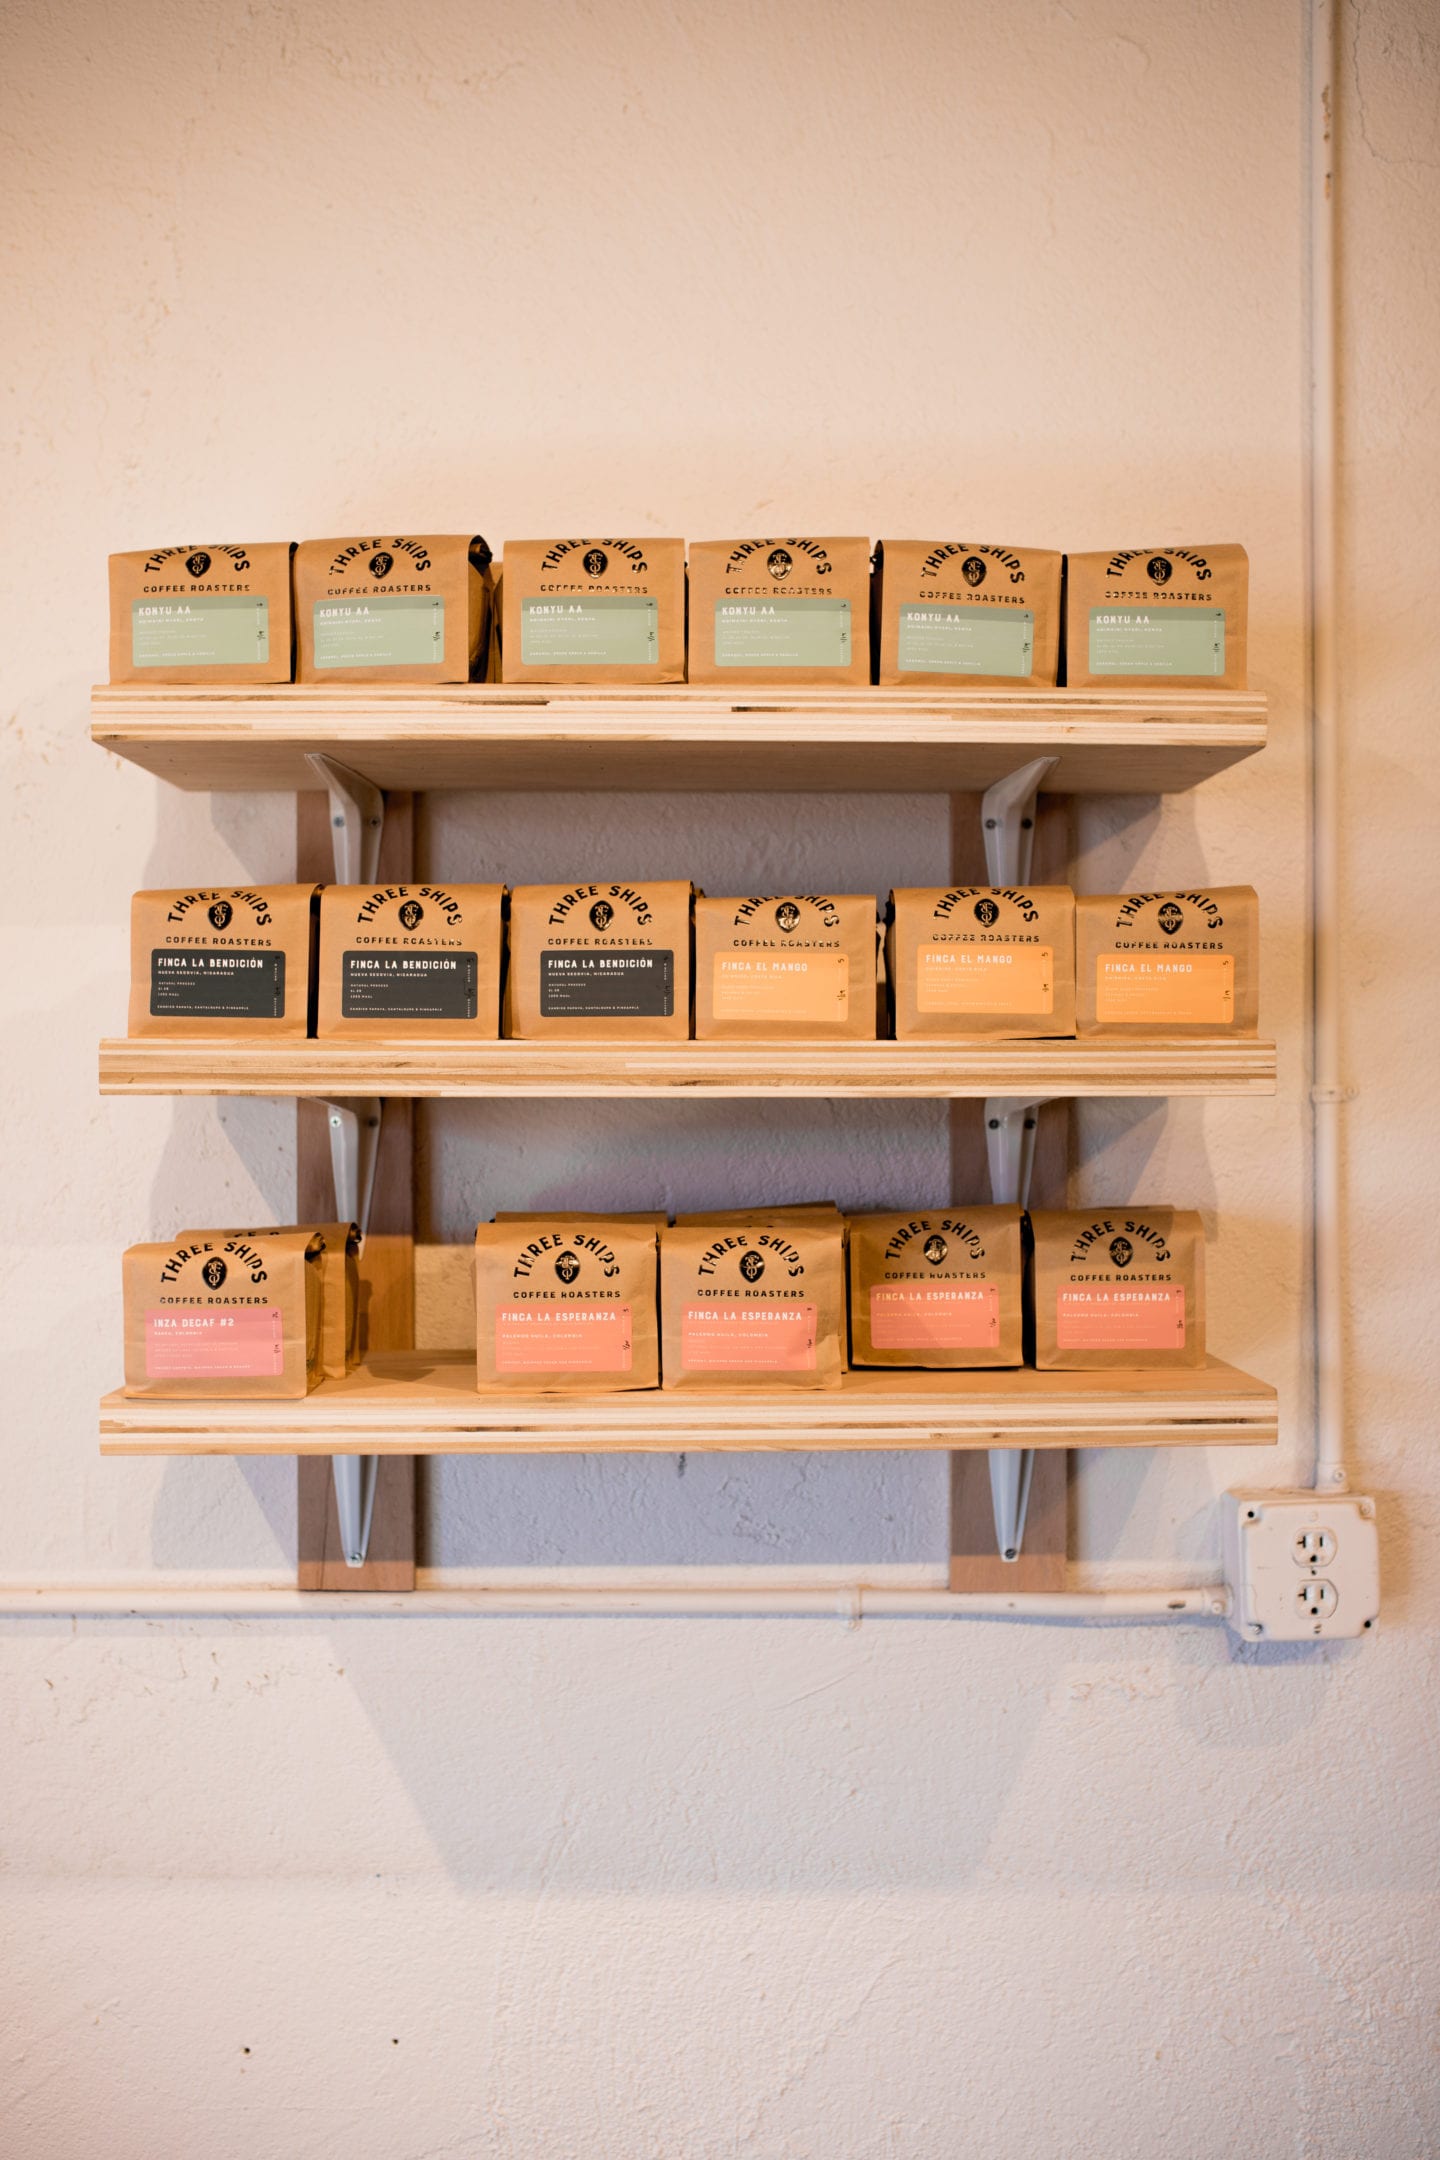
point(690, 1888)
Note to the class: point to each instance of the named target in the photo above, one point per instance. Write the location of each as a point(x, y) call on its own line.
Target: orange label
point(985, 979)
point(747, 1338)
point(795, 987)
point(562, 1338)
point(935, 1316)
point(1106, 1317)
point(1156, 990)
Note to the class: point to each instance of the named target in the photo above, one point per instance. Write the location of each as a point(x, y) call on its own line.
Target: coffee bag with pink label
point(940, 1288)
point(968, 960)
point(218, 1315)
point(213, 612)
point(1157, 615)
point(1117, 1287)
point(225, 960)
point(1168, 963)
point(339, 1283)
point(966, 614)
point(393, 608)
point(785, 966)
point(566, 1303)
point(757, 1304)
point(408, 960)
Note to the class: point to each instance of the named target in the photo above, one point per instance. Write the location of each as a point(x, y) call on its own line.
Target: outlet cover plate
point(1301, 1566)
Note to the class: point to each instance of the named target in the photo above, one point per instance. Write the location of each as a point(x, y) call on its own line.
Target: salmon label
point(747, 1338)
point(935, 1316)
point(562, 1338)
point(1110, 1317)
point(1155, 990)
point(985, 979)
point(793, 987)
point(194, 1342)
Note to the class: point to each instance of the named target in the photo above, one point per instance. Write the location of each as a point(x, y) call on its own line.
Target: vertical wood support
point(387, 1266)
point(975, 1564)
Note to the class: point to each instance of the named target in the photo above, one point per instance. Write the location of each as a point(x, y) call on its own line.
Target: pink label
point(562, 1338)
point(747, 1338)
point(194, 1342)
point(1112, 1318)
point(935, 1316)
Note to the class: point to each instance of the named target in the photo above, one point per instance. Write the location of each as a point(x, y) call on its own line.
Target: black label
point(607, 985)
point(217, 985)
point(408, 986)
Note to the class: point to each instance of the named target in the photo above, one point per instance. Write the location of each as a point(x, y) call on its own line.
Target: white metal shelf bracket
point(356, 1478)
point(357, 819)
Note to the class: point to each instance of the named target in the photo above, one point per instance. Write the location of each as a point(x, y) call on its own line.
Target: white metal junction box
point(1301, 1565)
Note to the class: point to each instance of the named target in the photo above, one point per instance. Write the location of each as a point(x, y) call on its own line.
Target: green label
point(1157, 641)
point(387, 630)
point(211, 630)
point(966, 640)
point(598, 630)
point(782, 633)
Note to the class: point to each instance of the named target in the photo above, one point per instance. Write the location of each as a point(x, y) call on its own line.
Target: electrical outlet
point(1301, 1565)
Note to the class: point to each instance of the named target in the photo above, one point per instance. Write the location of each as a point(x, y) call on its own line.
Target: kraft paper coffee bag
point(1172, 963)
point(566, 1303)
point(972, 960)
point(963, 613)
point(392, 610)
point(940, 1288)
point(217, 1316)
point(339, 1285)
point(1155, 615)
point(753, 1305)
point(599, 963)
point(780, 611)
point(222, 961)
point(593, 611)
point(405, 960)
point(210, 614)
point(783, 967)
point(1121, 1287)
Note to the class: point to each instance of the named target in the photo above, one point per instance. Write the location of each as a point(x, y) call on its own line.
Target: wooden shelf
point(425, 1403)
point(172, 1066)
point(494, 735)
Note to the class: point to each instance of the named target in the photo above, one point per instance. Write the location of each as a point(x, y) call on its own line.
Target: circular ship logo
point(198, 563)
point(787, 915)
point(986, 912)
point(1170, 918)
point(935, 1249)
point(221, 914)
point(1158, 570)
point(567, 1267)
point(780, 562)
point(973, 570)
point(602, 915)
point(752, 1267)
point(597, 562)
point(1122, 1252)
point(411, 913)
point(381, 565)
point(214, 1272)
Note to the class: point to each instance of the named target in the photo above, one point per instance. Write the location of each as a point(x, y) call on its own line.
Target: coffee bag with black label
point(392, 609)
point(780, 611)
point(593, 611)
point(757, 1304)
point(939, 1288)
point(339, 1285)
point(566, 1303)
point(1118, 1287)
point(405, 960)
point(965, 614)
point(218, 1315)
point(786, 966)
point(1157, 615)
point(971, 960)
point(599, 963)
point(1170, 963)
point(222, 961)
point(217, 613)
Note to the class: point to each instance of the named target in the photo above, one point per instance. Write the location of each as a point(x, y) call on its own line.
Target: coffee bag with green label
point(972, 960)
point(599, 963)
point(219, 1314)
point(1157, 615)
point(757, 1304)
point(1171, 963)
point(780, 611)
point(222, 961)
point(216, 613)
point(963, 613)
point(1118, 1287)
point(940, 1288)
point(339, 1285)
point(566, 1303)
point(405, 960)
point(392, 609)
point(786, 966)
point(593, 611)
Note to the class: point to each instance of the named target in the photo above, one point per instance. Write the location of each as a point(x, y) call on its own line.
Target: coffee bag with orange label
point(339, 1285)
point(222, 961)
point(566, 1303)
point(940, 1288)
point(786, 966)
point(1118, 1287)
point(1157, 615)
point(215, 613)
point(218, 1315)
point(966, 614)
point(599, 963)
point(780, 611)
point(392, 609)
point(972, 960)
point(753, 1305)
point(593, 611)
point(1171, 963)
point(399, 960)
